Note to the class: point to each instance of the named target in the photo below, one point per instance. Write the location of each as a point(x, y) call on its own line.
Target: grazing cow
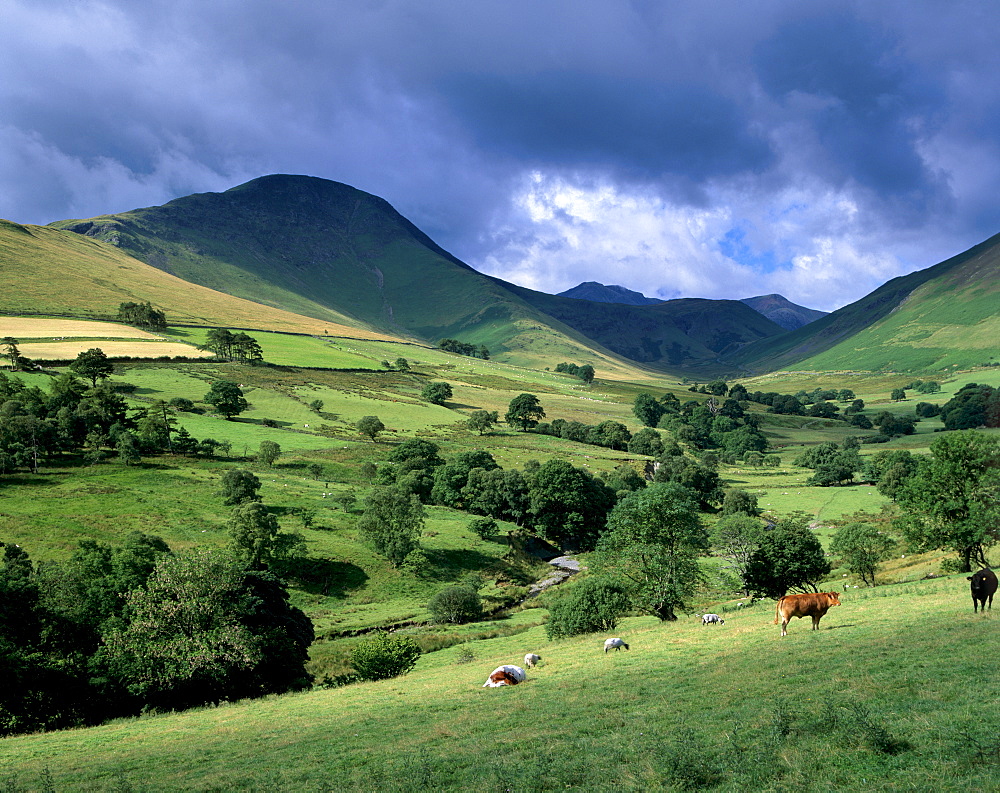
point(811, 604)
point(711, 619)
point(984, 587)
point(531, 660)
point(505, 676)
point(617, 644)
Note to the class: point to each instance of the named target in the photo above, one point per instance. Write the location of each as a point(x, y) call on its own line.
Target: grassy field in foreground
point(888, 695)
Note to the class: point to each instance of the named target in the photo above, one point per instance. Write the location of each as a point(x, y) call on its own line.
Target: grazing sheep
point(531, 660)
point(616, 643)
point(505, 676)
point(710, 619)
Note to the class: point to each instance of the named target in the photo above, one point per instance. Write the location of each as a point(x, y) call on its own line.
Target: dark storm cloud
point(841, 143)
point(633, 125)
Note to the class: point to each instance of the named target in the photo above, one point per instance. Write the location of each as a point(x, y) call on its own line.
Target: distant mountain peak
point(611, 293)
point(782, 311)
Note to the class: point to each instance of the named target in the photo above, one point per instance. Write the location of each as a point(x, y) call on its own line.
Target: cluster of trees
point(462, 348)
point(585, 372)
point(559, 502)
point(142, 315)
point(231, 346)
point(834, 465)
point(712, 424)
point(974, 405)
point(115, 631)
point(93, 421)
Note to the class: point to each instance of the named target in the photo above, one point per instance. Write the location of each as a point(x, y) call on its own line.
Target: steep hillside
point(315, 246)
point(601, 293)
point(48, 271)
point(782, 311)
point(943, 315)
point(689, 333)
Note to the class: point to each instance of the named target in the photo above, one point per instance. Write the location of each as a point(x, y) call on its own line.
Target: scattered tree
point(653, 541)
point(392, 522)
point(227, 398)
point(370, 427)
point(92, 364)
point(268, 452)
point(789, 557)
point(524, 411)
point(591, 606)
point(482, 421)
point(384, 656)
point(861, 546)
point(436, 393)
point(950, 501)
point(239, 487)
point(457, 605)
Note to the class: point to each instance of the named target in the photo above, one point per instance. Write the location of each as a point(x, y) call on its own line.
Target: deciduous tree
point(653, 541)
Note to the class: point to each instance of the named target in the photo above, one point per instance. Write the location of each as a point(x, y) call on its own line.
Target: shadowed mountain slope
point(610, 293)
point(782, 311)
point(687, 333)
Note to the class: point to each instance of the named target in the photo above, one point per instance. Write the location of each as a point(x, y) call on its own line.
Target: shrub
point(593, 605)
point(383, 656)
point(486, 528)
point(456, 604)
point(181, 403)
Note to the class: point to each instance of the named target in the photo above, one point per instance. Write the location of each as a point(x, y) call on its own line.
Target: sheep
point(531, 660)
point(616, 643)
point(710, 619)
point(505, 675)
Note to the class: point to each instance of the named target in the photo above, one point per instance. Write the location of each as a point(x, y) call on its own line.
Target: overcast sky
point(682, 149)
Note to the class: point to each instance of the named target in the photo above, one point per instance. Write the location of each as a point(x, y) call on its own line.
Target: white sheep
point(531, 660)
point(710, 619)
point(616, 643)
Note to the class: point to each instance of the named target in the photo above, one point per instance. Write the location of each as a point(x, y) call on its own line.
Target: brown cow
point(811, 604)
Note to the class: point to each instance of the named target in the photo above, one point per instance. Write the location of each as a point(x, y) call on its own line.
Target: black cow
point(984, 587)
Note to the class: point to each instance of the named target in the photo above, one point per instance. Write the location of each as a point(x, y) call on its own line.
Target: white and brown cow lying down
point(505, 675)
point(531, 660)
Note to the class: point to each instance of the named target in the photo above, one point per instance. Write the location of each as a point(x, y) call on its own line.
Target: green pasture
point(729, 708)
point(287, 349)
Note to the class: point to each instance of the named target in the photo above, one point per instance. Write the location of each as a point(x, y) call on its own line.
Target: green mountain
point(943, 316)
point(314, 246)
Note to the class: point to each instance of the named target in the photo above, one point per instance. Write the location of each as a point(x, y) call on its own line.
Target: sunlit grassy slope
point(888, 695)
point(48, 271)
point(935, 319)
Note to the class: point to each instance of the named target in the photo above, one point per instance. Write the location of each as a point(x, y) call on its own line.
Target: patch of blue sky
point(733, 245)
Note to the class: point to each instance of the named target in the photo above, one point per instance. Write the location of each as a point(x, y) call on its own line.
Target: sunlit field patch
point(40, 328)
point(62, 350)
